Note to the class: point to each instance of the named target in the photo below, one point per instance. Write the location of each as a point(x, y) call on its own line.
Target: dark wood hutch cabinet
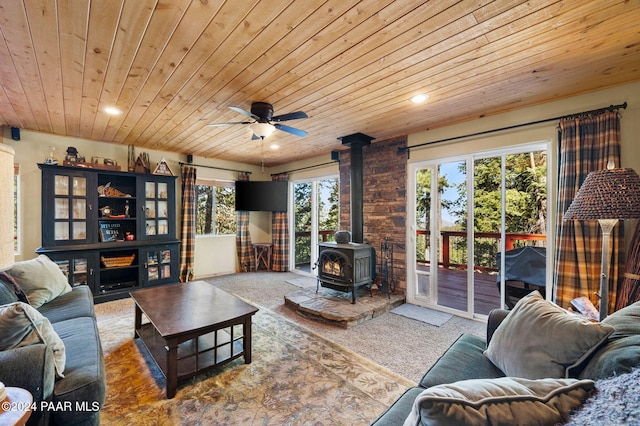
point(113, 231)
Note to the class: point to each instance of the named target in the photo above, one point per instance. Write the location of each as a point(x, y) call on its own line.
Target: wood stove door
point(335, 269)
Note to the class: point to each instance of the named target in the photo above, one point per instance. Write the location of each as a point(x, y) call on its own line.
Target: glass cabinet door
point(160, 264)
point(78, 267)
point(157, 207)
point(70, 210)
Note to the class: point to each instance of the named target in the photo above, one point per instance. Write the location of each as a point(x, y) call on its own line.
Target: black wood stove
point(345, 267)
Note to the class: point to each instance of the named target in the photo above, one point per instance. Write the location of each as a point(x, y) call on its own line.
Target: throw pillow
point(22, 325)
point(41, 279)
point(501, 401)
point(626, 321)
point(539, 339)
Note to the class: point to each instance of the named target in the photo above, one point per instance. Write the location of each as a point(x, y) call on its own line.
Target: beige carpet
point(403, 345)
point(297, 378)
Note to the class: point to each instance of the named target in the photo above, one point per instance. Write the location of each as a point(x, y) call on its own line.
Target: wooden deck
point(452, 290)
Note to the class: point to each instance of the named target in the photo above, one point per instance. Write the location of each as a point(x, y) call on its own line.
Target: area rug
point(422, 314)
point(296, 378)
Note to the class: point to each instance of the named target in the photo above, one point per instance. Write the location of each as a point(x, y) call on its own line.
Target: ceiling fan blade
point(291, 130)
point(291, 116)
point(247, 113)
point(229, 123)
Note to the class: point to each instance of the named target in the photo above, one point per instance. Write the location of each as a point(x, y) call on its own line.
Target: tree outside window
point(215, 213)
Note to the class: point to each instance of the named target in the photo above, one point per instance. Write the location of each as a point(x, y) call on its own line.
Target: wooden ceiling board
point(72, 23)
point(174, 66)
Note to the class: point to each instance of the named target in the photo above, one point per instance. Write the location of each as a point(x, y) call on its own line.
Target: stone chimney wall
point(385, 200)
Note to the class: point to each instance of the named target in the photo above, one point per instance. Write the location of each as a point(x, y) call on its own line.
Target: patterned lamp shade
point(6, 207)
point(607, 194)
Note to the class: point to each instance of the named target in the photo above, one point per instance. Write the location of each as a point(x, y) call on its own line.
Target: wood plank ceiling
point(174, 66)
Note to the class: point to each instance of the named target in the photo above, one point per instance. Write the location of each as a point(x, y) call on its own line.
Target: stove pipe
point(356, 141)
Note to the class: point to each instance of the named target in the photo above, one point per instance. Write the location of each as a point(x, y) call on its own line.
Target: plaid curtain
point(629, 291)
point(280, 236)
point(244, 249)
point(586, 144)
point(188, 230)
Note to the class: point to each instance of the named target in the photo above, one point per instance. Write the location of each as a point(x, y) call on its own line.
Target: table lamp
point(6, 208)
point(606, 196)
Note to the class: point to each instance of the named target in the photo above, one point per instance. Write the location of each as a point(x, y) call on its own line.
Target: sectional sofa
point(538, 365)
point(49, 344)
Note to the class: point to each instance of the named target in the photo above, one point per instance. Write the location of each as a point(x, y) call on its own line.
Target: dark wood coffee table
point(193, 328)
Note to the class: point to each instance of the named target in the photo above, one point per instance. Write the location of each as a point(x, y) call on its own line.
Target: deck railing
point(512, 240)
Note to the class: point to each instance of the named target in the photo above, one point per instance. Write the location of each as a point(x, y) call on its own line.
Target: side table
point(15, 409)
point(262, 252)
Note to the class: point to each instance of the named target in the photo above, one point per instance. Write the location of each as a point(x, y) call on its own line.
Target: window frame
point(16, 206)
point(214, 183)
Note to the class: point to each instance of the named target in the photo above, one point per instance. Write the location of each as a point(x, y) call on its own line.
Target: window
point(216, 213)
point(466, 211)
point(16, 207)
point(315, 218)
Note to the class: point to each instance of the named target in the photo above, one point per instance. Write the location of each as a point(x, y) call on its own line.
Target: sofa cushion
point(41, 279)
point(618, 356)
point(10, 291)
point(397, 413)
point(501, 401)
point(22, 325)
point(621, 353)
point(84, 380)
point(538, 339)
point(467, 357)
point(76, 303)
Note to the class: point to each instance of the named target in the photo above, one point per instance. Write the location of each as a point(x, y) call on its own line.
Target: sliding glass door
point(465, 212)
point(314, 220)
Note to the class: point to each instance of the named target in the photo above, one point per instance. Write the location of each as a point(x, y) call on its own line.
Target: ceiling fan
point(264, 122)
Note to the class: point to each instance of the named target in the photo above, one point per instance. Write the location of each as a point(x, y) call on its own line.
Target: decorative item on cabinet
point(163, 168)
point(109, 191)
point(51, 157)
point(142, 164)
point(131, 159)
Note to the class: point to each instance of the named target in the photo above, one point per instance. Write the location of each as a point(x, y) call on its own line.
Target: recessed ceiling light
point(112, 110)
point(274, 146)
point(417, 99)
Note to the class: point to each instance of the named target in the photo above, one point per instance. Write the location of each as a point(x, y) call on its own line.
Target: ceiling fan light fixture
point(262, 130)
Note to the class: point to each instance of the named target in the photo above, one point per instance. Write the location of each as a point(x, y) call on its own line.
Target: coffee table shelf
point(197, 355)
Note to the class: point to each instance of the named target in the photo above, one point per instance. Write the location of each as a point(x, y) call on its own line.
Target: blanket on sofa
point(615, 402)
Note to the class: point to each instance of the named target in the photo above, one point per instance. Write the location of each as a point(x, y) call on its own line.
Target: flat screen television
point(266, 196)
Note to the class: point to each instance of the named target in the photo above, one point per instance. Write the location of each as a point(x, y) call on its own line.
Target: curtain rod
point(304, 168)
point(213, 167)
point(402, 150)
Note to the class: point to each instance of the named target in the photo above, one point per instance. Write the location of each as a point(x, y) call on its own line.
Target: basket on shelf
point(117, 261)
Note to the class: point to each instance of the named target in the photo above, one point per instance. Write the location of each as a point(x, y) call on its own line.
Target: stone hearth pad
point(335, 307)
